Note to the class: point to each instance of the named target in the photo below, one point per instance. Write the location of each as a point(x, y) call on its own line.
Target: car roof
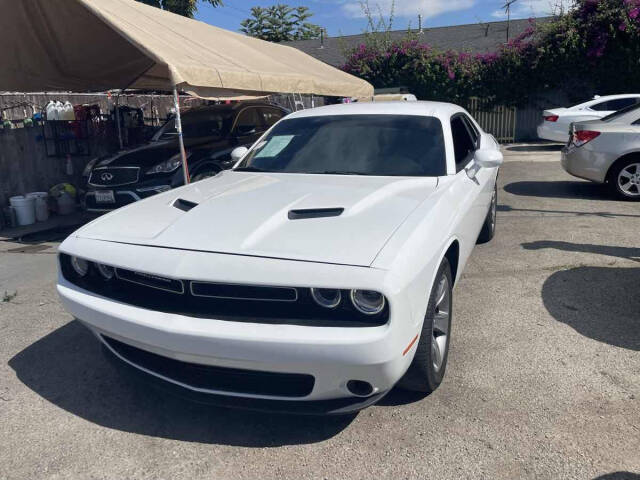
point(422, 108)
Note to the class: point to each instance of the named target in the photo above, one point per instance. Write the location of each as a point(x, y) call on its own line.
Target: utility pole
point(507, 10)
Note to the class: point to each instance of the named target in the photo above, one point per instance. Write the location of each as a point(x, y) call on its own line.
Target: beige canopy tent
point(97, 45)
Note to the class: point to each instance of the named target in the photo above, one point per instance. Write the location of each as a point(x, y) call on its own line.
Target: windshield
point(194, 125)
point(619, 113)
point(386, 145)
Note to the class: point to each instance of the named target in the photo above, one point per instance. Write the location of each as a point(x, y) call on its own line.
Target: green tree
point(186, 8)
point(280, 23)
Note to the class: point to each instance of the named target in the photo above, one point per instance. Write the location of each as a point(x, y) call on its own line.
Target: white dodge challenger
point(312, 277)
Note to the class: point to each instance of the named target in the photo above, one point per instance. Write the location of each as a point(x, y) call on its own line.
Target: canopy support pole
point(183, 153)
point(117, 112)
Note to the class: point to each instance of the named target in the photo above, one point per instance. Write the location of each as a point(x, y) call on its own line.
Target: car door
point(248, 127)
point(473, 185)
point(271, 115)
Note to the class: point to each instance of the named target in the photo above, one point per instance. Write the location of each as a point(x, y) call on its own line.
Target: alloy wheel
point(440, 329)
point(629, 180)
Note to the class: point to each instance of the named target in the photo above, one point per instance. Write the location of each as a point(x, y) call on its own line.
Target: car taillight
point(581, 137)
point(551, 118)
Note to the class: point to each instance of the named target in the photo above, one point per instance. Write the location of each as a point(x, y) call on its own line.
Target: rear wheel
point(430, 361)
point(624, 179)
point(489, 226)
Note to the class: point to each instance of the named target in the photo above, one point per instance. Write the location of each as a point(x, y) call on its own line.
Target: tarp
point(96, 45)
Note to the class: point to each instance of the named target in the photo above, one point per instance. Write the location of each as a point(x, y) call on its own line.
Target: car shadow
point(68, 369)
point(543, 147)
point(601, 303)
point(560, 189)
point(509, 208)
point(629, 253)
point(618, 476)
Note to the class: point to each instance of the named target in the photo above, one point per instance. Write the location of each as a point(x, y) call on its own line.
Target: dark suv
point(210, 133)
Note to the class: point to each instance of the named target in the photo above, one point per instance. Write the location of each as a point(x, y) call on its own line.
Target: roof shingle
point(472, 38)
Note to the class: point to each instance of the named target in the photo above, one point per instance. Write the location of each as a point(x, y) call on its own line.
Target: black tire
point(489, 226)
point(205, 172)
point(422, 375)
point(614, 179)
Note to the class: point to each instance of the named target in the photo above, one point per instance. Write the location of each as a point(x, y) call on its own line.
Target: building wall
point(25, 167)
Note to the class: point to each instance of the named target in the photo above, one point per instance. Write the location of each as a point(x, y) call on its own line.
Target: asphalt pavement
point(543, 378)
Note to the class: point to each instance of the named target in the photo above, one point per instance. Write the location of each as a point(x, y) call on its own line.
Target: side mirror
point(238, 152)
point(488, 158)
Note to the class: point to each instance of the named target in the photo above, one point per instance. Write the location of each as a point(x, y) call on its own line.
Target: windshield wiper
point(340, 172)
point(249, 169)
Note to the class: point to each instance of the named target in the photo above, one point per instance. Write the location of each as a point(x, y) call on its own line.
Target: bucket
point(41, 206)
point(66, 204)
point(25, 209)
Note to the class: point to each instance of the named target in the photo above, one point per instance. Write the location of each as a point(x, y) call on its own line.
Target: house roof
point(472, 38)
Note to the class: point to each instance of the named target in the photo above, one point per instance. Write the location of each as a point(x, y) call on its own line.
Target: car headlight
point(326, 297)
point(80, 265)
point(106, 271)
point(368, 301)
point(166, 166)
point(87, 170)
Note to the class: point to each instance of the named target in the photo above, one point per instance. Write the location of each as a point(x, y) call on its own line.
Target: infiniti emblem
point(106, 177)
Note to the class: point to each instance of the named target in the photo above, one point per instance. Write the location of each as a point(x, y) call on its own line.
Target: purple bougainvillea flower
point(622, 27)
point(634, 12)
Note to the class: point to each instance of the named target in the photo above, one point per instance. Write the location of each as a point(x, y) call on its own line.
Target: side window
point(475, 135)
point(600, 107)
point(621, 103)
point(614, 105)
point(463, 145)
point(271, 116)
point(248, 122)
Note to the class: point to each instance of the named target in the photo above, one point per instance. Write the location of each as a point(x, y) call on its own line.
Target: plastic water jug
point(41, 206)
point(52, 111)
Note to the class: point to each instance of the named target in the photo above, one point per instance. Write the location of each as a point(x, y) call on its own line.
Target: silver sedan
point(607, 151)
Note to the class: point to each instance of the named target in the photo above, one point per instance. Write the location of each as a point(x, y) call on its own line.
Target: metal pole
point(117, 112)
point(183, 154)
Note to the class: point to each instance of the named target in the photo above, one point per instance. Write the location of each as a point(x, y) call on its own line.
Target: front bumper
point(123, 196)
point(332, 355)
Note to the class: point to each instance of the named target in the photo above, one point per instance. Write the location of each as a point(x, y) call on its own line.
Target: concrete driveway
point(543, 378)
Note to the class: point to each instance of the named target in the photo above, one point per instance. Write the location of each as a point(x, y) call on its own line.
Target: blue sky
point(345, 16)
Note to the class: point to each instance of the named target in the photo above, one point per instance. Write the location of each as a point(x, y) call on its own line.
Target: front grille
point(113, 176)
point(237, 303)
point(223, 379)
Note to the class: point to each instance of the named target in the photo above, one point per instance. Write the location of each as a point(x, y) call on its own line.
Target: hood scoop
point(184, 205)
point(314, 213)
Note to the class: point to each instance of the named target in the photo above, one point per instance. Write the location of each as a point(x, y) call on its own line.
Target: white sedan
point(555, 122)
point(313, 277)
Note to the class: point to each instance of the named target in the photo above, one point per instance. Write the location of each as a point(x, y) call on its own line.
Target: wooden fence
point(499, 121)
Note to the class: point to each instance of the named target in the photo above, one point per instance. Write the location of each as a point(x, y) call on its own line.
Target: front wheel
point(489, 226)
point(625, 179)
point(430, 361)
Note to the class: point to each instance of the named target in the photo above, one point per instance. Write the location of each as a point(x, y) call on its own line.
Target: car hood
point(249, 214)
point(150, 153)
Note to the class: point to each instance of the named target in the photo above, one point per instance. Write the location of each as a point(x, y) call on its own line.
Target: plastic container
point(41, 205)
point(25, 208)
point(52, 111)
point(66, 204)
